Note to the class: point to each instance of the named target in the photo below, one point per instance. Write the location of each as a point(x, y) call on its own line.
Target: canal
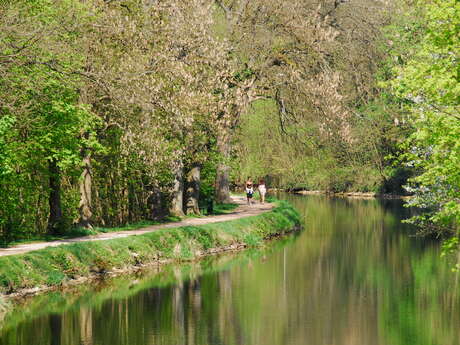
point(354, 276)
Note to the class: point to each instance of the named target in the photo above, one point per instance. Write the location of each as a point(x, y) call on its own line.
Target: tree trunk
point(223, 170)
point(55, 323)
point(156, 205)
point(177, 201)
point(55, 218)
point(86, 325)
point(193, 189)
point(86, 180)
point(85, 192)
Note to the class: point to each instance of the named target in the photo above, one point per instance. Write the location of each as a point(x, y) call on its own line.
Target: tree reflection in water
point(354, 276)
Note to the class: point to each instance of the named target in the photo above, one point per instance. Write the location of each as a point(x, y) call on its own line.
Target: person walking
point(262, 190)
point(249, 190)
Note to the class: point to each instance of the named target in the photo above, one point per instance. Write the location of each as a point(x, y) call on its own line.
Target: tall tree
point(427, 80)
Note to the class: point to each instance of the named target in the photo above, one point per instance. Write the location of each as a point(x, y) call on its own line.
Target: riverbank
point(125, 286)
point(360, 195)
point(75, 263)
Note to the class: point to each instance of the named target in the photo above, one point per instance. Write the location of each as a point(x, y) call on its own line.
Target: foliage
point(426, 77)
point(41, 119)
point(105, 106)
point(290, 156)
point(99, 102)
point(323, 123)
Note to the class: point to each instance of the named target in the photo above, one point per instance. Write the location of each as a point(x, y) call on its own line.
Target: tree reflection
point(354, 276)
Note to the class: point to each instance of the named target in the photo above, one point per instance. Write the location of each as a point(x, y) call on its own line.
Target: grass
point(81, 232)
point(218, 209)
point(56, 265)
point(122, 287)
point(224, 208)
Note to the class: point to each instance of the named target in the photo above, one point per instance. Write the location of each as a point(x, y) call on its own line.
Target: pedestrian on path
point(249, 190)
point(262, 190)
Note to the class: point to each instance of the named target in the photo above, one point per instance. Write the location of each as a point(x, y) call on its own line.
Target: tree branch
point(456, 116)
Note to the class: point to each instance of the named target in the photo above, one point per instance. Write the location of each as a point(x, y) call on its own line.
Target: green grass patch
point(55, 265)
point(82, 232)
point(218, 209)
point(224, 208)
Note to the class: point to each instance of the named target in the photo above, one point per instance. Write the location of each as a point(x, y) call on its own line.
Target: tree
point(39, 92)
point(314, 62)
point(427, 78)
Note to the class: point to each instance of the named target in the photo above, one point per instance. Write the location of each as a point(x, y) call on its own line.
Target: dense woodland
point(117, 111)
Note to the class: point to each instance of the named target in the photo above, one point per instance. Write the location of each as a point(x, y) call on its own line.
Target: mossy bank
point(55, 266)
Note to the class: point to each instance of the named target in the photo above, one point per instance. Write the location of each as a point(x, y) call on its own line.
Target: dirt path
point(241, 211)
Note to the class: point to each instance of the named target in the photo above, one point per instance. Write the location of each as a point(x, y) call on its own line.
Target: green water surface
point(354, 276)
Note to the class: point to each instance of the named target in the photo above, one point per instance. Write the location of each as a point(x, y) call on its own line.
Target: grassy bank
point(127, 285)
point(58, 265)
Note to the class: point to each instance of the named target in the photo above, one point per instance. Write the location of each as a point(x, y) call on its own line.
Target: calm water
point(354, 276)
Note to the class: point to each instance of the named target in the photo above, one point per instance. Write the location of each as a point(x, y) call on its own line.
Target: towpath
point(243, 210)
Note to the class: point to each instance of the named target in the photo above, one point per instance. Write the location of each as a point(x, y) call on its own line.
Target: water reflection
point(353, 277)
